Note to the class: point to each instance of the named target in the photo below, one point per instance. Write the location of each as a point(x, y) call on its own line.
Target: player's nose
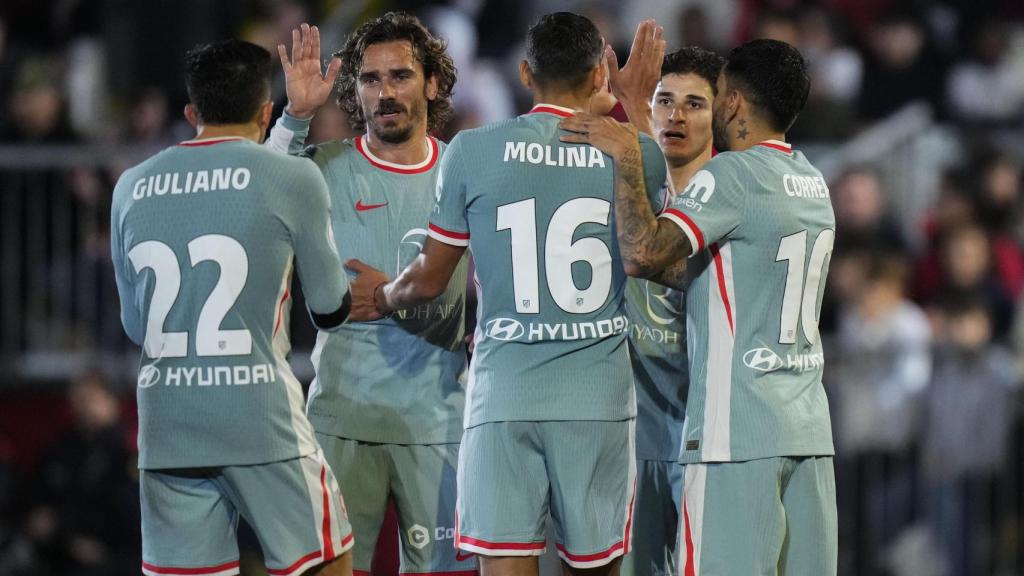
point(387, 90)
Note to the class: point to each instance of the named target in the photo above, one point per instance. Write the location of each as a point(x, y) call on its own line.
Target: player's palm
point(638, 79)
point(306, 85)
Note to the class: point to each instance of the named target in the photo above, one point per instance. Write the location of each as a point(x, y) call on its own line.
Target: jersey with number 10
point(761, 225)
point(204, 238)
point(537, 214)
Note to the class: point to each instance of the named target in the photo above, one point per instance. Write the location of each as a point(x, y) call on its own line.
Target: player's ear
point(600, 77)
point(734, 101)
point(432, 89)
point(192, 115)
point(525, 76)
point(266, 111)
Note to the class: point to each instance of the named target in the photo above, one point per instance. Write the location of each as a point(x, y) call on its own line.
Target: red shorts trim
point(146, 567)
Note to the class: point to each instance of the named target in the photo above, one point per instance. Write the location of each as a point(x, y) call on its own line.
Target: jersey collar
point(209, 141)
point(777, 145)
point(423, 166)
point(552, 109)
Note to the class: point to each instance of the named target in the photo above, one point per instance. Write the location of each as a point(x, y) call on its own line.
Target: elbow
point(633, 269)
point(637, 269)
point(432, 290)
point(332, 321)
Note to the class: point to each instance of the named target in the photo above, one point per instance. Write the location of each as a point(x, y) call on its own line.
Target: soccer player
point(388, 395)
point(204, 238)
point(681, 113)
point(550, 407)
point(759, 487)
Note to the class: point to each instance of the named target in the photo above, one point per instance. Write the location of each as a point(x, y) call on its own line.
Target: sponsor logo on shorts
point(510, 329)
point(766, 360)
point(419, 537)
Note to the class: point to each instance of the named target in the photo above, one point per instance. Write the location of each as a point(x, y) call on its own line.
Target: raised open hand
point(308, 87)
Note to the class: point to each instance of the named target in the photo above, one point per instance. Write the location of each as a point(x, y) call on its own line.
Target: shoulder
point(727, 162)
point(129, 177)
point(325, 153)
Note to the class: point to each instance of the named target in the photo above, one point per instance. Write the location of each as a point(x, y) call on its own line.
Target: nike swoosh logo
point(364, 207)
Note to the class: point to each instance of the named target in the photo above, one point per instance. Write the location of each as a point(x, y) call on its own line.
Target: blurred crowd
point(923, 323)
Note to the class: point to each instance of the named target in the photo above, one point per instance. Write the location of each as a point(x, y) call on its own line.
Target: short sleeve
point(711, 206)
point(323, 280)
point(655, 172)
point(448, 221)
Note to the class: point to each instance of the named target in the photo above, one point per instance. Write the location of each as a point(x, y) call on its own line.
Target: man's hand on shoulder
point(308, 87)
point(608, 135)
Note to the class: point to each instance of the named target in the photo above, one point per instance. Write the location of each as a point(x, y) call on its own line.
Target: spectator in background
point(966, 267)
point(38, 111)
point(998, 205)
point(901, 67)
point(483, 96)
point(987, 88)
point(954, 208)
point(862, 209)
point(882, 363)
point(85, 513)
point(778, 24)
point(968, 421)
point(708, 24)
point(836, 72)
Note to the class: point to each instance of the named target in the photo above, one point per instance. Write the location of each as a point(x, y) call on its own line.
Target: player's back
point(756, 359)
point(550, 340)
point(205, 237)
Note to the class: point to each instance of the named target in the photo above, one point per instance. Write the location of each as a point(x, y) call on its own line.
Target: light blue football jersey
point(762, 227)
point(537, 215)
point(204, 238)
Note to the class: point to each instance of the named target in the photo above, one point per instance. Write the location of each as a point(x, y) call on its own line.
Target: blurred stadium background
point(916, 118)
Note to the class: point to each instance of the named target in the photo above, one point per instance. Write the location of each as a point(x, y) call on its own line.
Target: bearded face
point(393, 92)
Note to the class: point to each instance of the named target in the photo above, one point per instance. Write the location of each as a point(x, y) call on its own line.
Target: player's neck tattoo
point(742, 133)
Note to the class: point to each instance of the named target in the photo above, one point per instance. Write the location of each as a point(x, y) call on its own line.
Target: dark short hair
point(562, 48)
point(772, 75)
point(694, 60)
point(227, 81)
point(429, 51)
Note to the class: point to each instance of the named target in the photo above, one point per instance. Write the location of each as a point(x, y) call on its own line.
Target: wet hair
point(694, 60)
point(429, 50)
point(772, 76)
point(561, 50)
point(227, 81)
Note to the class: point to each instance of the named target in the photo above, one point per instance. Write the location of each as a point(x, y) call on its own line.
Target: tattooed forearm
point(647, 245)
point(673, 276)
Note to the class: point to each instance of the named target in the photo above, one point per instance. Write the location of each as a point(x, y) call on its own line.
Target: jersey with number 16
point(537, 214)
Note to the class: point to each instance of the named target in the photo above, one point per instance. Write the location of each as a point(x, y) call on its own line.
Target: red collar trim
point(552, 109)
point(400, 168)
point(777, 145)
point(209, 141)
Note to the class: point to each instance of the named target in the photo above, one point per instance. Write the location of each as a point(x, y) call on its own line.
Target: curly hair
point(429, 51)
